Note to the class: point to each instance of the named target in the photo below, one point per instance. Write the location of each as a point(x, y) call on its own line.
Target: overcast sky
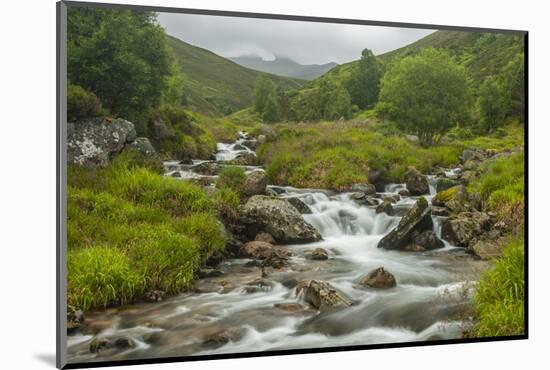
point(304, 42)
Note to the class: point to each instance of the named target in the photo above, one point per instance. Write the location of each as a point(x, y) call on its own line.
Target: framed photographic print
point(237, 184)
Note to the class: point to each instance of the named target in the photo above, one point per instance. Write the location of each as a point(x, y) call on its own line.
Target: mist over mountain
point(284, 66)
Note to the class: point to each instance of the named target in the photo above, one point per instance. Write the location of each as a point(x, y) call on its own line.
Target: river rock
point(455, 199)
point(100, 344)
point(416, 220)
point(243, 159)
point(143, 146)
point(207, 168)
point(417, 183)
point(385, 207)
point(363, 199)
point(440, 211)
point(488, 249)
point(379, 278)
point(154, 296)
point(367, 189)
point(290, 307)
point(278, 218)
point(176, 174)
point(378, 179)
point(220, 338)
point(94, 141)
point(322, 295)
point(205, 273)
point(404, 193)
point(250, 144)
point(257, 249)
point(265, 237)
point(318, 254)
point(464, 229)
point(255, 183)
point(75, 318)
point(426, 240)
point(124, 343)
point(258, 285)
point(444, 183)
point(299, 205)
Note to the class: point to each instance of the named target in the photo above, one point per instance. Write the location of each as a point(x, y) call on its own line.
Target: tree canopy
point(363, 84)
point(123, 58)
point(426, 94)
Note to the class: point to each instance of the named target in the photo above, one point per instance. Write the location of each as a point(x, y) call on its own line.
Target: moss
point(447, 195)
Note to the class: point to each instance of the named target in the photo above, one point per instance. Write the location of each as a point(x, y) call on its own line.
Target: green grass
point(337, 155)
point(231, 177)
point(500, 295)
point(217, 86)
point(501, 183)
point(131, 230)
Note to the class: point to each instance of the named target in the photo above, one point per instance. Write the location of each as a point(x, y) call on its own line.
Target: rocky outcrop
point(455, 199)
point(299, 205)
point(94, 141)
point(417, 183)
point(143, 146)
point(321, 295)
point(255, 183)
point(415, 221)
point(464, 229)
point(278, 218)
point(379, 278)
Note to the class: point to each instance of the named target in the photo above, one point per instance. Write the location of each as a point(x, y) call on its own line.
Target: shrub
point(82, 103)
point(500, 295)
point(227, 202)
point(231, 177)
point(101, 276)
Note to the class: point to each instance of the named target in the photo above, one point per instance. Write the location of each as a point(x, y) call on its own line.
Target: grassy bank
point(336, 155)
point(130, 230)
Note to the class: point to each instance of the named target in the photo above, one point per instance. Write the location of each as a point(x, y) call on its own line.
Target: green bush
point(101, 276)
point(231, 177)
point(82, 103)
point(207, 229)
point(500, 295)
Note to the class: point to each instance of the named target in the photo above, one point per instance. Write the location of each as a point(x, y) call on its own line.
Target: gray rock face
point(455, 199)
point(143, 146)
point(207, 168)
point(379, 278)
point(385, 207)
point(299, 205)
point(255, 183)
point(278, 218)
point(322, 295)
point(444, 183)
point(318, 254)
point(427, 240)
point(473, 154)
point(367, 189)
point(417, 183)
point(94, 141)
point(415, 221)
point(464, 229)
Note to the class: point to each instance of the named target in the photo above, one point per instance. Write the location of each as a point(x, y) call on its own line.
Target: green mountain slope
point(215, 85)
point(483, 54)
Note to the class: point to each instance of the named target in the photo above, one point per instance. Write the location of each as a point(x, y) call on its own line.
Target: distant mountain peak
point(284, 66)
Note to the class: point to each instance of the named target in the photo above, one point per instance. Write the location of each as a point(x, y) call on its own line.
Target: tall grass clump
point(500, 295)
point(131, 230)
point(231, 177)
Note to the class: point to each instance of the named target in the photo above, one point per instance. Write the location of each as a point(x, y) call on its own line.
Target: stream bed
point(433, 288)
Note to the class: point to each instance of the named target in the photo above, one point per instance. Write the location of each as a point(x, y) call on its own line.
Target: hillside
point(215, 85)
point(283, 66)
point(483, 54)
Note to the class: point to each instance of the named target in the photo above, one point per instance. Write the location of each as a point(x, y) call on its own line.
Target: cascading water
point(432, 290)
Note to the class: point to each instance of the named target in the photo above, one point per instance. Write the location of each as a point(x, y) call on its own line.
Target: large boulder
point(417, 183)
point(278, 218)
point(94, 141)
point(415, 221)
point(473, 154)
point(455, 199)
point(378, 179)
point(426, 240)
point(255, 183)
point(299, 205)
point(379, 278)
point(465, 228)
point(143, 146)
point(322, 295)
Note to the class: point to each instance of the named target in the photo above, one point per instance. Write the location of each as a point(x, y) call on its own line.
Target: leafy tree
point(122, 57)
point(513, 84)
point(326, 101)
point(426, 94)
point(263, 88)
point(492, 102)
point(364, 83)
point(271, 112)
